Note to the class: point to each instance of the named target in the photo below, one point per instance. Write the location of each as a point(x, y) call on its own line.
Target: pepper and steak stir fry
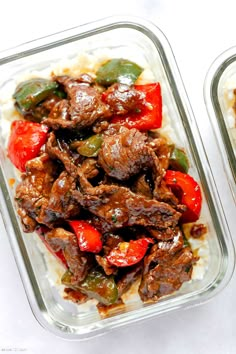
point(105, 192)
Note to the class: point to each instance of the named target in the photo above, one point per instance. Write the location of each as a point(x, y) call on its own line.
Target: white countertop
point(198, 32)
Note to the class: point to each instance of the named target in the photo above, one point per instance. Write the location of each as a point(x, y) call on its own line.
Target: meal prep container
point(141, 42)
point(219, 83)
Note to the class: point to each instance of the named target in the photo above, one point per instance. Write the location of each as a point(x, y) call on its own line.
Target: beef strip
point(60, 110)
point(172, 246)
point(85, 78)
point(167, 276)
point(75, 296)
point(28, 223)
point(60, 205)
point(89, 168)
point(42, 110)
point(124, 153)
point(44, 198)
point(100, 126)
point(107, 310)
point(34, 190)
point(59, 116)
point(79, 262)
point(123, 98)
point(163, 193)
point(100, 224)
point(141, 186)
point(162, 150)
point(82, 107)
point(60, 123)
point(63, 155)
point(168, 265)
point(128, 278)
point(198, 230)
point(163, 235)
point(121, 207)
point(108, 268)
point(111, 241)
point(85, 104)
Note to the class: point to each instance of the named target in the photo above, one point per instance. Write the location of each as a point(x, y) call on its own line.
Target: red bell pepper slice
point(189, 192)
point(89, 238)
point(129, 253)
point(59, 254)
point(148, 117)
point(26, 139)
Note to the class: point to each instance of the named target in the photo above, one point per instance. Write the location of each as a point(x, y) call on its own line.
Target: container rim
point(210, 92)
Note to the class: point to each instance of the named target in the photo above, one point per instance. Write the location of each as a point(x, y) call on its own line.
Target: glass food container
point(219, 97)
point(144, 43)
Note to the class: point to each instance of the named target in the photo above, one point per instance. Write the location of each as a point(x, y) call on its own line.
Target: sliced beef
point(121, 207)
point(75, 296)
point(107, 310)
point(123, 98)
point(163, 235)
point(43, 197)
point(141, 186)
point(43, 109)
point(28, 223)
point(100, 126)
point(168, 265)
point(83, 105)
point(162, 150)
point(111, 240)
point(125, 153)
point(33, 192)
point(167, 276)
point(60, 206)
point(61, 154)
point(58, 238)
point(163, 193)
point(198, 230)
point(172, 246)
point(59, 123)
point(50, 102)
point(59, 116)
point(89, 168)
point(85, 102)
point(100, 224)
point(79, 262)
point(128, 278)
point(60, 110)
point(85, 78)
point(107, 267)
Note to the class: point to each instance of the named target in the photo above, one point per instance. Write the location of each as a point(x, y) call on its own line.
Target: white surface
point(198, 32)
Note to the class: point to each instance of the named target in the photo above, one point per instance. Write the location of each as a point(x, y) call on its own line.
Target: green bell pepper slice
point(90, 147)
point(178, 161)
point(96, 285)
point(66, 279)
point(118, 70)
point(31, 92)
